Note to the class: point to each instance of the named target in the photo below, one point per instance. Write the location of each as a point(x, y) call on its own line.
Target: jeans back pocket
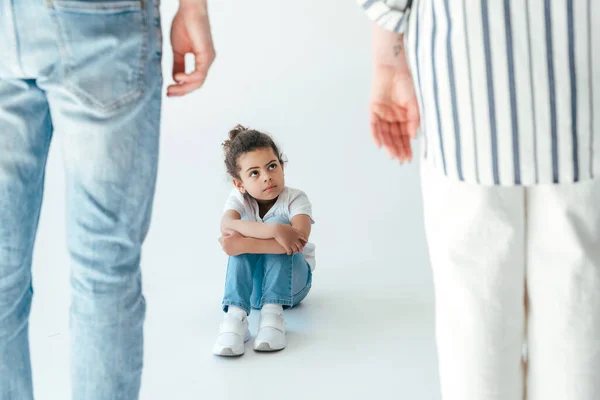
point(104, 45)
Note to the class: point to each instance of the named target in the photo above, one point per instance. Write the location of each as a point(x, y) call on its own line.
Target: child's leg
point(239, 282)
point(301, 284)
point(476, 244)
point(564, 291)
point(286, 283)
point(258, 276)
point(234, 332)
point(286, 280)
point(301, 281)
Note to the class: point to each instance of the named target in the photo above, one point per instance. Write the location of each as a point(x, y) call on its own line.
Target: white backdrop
point(299, 70)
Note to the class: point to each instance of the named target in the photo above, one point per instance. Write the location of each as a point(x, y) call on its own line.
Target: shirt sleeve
point(299, 204)
point(235, 202)
point(389, 14)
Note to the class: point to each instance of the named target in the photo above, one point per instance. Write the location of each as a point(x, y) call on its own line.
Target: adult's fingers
point(183, 89)
point(407, 147)
point(387, 139)
point(413, 129)
point(193, 76)
point(396, 137)
point(178, 65)
point(376, 131)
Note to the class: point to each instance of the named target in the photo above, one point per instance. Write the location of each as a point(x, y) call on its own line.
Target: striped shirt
point(508, 90)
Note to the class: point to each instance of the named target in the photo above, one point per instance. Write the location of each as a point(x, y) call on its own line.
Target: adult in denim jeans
point(88, 72)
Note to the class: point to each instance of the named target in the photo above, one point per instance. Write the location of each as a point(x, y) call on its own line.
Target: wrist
point(388, 48)
point(275, 230)
point(385, 75)
point(395, 62)
point(242, 246)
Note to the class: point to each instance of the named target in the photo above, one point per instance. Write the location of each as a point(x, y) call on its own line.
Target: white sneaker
point(271, 332)
point(233, 333)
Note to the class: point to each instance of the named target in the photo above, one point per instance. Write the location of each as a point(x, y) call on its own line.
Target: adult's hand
point(394, 110)
point(190, 33)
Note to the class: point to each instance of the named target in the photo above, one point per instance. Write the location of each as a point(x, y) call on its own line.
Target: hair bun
point(236, 131)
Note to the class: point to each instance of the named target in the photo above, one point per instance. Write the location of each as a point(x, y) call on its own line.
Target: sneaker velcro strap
point(234, 326)
point(272, 320)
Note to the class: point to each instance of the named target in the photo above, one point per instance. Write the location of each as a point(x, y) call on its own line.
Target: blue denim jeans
point(88, 74)
point(253, 280)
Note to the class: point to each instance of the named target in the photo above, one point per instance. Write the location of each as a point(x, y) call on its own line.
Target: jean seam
point(264, 300)
point(276, 301)
point(301, 294)
point(144, 49)
point(102, 7)
point(226, 271)
point(291, 277)
point(158, 30)
point(261, 260)
point(12, 30)
point(31, 245)
point(246, 307)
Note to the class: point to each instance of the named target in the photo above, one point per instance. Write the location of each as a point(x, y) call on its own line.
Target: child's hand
point(231, 242)
point(290, 239)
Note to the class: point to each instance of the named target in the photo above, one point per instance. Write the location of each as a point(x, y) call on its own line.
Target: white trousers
point(512, 264)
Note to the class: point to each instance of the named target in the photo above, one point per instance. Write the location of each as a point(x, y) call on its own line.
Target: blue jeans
point(89, 74)
point(253, 280)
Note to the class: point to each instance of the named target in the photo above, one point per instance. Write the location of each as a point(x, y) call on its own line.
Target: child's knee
point(275, 257)
point(237, 259)
point(291, 259)
point(240, 262)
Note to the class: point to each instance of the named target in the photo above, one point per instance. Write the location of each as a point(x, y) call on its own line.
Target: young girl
point(265, 230)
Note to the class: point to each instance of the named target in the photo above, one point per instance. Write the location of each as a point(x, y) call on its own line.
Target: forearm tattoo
point(398, 46)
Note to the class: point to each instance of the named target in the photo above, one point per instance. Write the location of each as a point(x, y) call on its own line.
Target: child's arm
point(232, 221)
point(235, 244)
point(290, 239)
point(302, 223)
point(261, 246)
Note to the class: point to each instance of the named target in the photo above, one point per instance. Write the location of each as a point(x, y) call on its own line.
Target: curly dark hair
point(243, 140)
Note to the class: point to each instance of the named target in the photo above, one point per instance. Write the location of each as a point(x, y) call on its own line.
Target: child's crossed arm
point(248, 237)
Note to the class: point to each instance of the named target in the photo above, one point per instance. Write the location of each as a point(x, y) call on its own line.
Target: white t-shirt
point(291, 202)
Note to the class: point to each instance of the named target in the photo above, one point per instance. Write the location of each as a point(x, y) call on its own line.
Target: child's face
point(261, 174)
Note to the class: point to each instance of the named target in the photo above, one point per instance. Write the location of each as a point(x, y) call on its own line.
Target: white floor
point(346, 342)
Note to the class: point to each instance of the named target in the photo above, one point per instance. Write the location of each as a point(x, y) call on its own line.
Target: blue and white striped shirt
point(507, 89)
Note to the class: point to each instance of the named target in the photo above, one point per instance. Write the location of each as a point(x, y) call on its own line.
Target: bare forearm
point(258, 230)
point(261, 246)
point(201, 3)
point(388, 49)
